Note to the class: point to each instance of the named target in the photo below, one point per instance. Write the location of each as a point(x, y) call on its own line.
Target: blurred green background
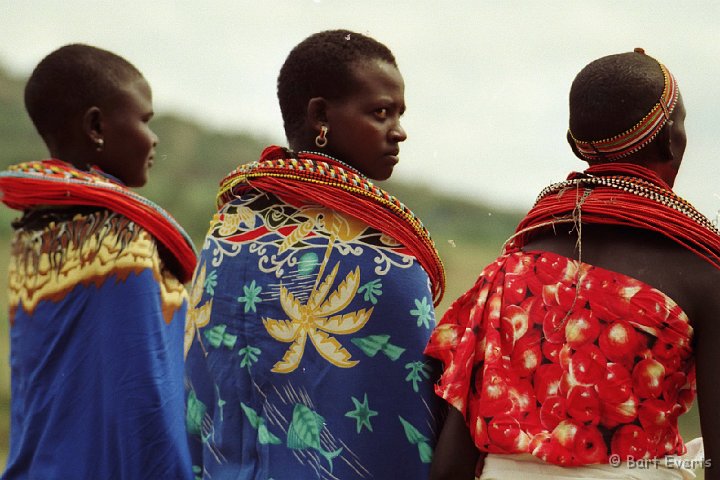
point(189, 163)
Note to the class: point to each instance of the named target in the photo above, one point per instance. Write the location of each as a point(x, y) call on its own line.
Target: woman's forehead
point(377, 76)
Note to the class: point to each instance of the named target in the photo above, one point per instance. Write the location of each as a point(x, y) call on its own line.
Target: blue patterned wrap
point(97, 325)
point(304, 349)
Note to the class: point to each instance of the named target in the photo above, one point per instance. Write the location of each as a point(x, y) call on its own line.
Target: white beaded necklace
point(641, 189)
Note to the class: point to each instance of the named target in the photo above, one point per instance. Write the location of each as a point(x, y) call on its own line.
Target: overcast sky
point(486, 81)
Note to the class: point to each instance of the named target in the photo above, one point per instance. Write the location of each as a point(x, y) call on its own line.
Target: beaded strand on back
point(623, 194)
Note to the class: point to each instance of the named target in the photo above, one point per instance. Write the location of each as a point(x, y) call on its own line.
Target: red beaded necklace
point(622, 194)
point(54, 182)
point(321, 179)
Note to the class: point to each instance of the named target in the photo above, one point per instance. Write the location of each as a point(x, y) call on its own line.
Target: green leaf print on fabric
point(417, 371)
point(211, 283)
point(220, 403)
point(373, 344)
point(194, 414)
point(362, 413)
point(249, 356)
point(216, 336)
point(251, 297)
point(424, 312)
point(252, 415)
point(304, 432)
point(416, 438)
point(265, 437)
point(371, 291)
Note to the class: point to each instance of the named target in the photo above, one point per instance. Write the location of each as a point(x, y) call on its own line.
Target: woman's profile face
point(364, 127)
point(129, 142)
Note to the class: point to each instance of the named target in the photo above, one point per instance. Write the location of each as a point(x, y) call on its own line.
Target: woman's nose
point(397, 133)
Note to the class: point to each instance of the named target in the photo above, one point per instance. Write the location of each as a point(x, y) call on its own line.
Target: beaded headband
point(637, 137)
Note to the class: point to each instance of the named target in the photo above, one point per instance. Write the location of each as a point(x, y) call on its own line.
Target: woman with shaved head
point(314, 297)
point(577, 350)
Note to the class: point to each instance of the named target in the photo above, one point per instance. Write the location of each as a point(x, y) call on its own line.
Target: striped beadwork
point(312, 169)
point(54, 182)
point(635, 138)
point(321, 171)
point(58, 172)
point(641, 188)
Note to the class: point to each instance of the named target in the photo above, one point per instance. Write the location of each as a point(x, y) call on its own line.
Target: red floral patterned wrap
point(569, 362)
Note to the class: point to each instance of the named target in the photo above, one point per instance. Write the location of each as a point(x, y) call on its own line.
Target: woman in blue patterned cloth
point(313, 297)
point(97, 305)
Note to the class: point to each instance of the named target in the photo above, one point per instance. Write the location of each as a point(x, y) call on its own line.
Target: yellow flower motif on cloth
point(388, 240)
point(338, 225)
point(231, 221)
point(198, 315)
point(343, 227)
point(172, 292)
point(296, 235)
point(318, 319)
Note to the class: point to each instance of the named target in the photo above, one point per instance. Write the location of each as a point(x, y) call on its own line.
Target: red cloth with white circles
point(569, 362)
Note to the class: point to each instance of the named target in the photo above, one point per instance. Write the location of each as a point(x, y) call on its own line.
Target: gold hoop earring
point(321, 139)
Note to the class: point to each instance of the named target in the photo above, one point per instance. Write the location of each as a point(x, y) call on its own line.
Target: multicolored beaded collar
point(635, 138)
point(325, 180)
point(54, 182)
point(310, 168)
point(621, 194)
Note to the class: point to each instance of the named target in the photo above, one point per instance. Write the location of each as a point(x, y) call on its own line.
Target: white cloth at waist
point(525, 467)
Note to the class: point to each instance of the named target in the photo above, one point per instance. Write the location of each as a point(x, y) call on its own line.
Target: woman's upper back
point(644, 255)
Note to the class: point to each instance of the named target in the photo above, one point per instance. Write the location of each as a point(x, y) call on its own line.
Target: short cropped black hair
point(321, 66)
point(612, 94)
point(70, 80)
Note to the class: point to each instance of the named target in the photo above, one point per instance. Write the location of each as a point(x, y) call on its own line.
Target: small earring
point(99, 144)
point(321, 139)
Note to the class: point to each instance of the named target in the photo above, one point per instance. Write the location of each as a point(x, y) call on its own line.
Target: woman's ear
point(573, 146)
point(663, 141)
point(317, 112)
point(92, 124)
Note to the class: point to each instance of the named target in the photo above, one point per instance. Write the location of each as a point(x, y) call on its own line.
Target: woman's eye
point(381, 113)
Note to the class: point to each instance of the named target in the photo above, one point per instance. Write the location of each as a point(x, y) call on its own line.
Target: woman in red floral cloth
point(577, 350)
